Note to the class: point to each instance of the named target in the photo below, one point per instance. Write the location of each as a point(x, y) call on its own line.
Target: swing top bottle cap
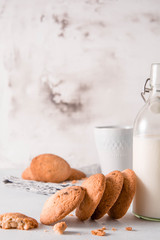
point(155, 74)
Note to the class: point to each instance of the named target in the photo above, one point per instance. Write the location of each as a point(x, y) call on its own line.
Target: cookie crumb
point(64, 183)
point(114, 229)
point(46, 230)
point(60, 227)
point(74, 181)
point(71, 215)
point(128, 228)
point(99, 232)
point(78, 234)
point(103, 228)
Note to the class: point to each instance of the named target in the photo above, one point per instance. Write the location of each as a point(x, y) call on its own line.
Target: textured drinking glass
point(114, 146)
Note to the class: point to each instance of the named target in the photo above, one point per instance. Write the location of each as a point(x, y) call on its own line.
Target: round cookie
point(76, 175)
point(114, 184)
point(95, 186)
point(27, 174)
point(61, 204)
point(18, 221)
point(125, 198)
point(50, 168)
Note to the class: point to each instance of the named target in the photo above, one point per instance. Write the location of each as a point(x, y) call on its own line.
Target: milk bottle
point(146, 151)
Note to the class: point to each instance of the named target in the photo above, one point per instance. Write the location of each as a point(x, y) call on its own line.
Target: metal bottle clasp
point(146, 89)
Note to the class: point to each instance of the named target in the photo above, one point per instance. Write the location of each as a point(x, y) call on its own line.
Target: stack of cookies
point(98, 195)
point(51, 168)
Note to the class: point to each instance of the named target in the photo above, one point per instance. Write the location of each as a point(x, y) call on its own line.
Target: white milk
point(146, 164)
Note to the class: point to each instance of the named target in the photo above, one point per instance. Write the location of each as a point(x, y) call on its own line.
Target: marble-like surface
point(68, 65)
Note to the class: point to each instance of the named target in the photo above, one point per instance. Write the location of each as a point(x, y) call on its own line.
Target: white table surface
point(15, 200)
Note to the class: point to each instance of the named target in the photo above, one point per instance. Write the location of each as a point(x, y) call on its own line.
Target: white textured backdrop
point(68, 65)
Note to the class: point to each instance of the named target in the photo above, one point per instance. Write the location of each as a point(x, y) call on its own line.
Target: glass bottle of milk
point(146, 151)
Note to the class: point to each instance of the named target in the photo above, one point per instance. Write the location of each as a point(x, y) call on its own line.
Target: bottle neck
point(154, 93)
point(155, 80)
